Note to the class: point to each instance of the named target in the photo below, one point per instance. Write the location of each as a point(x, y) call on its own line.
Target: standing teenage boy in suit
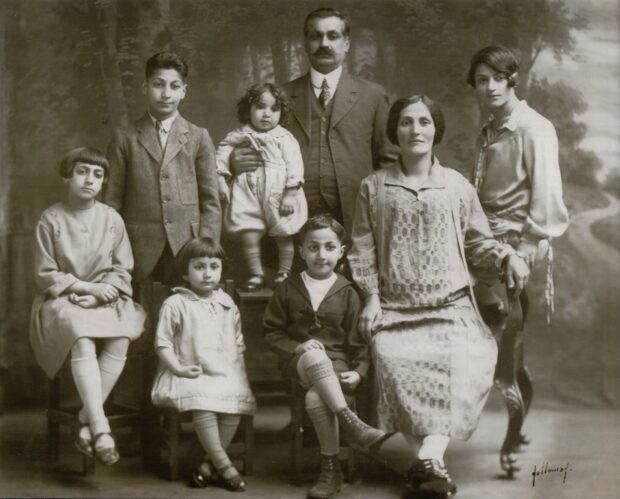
point(162, 175)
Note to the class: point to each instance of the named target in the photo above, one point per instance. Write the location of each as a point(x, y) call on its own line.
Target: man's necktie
point(325, 94)
point(161, 134)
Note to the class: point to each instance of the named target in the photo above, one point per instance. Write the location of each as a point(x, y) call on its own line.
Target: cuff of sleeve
point(66, 282)
point(295, 184)
point(119, 283)
point(224, 173)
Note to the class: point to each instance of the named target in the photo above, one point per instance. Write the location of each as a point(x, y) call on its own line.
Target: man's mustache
point(323, 51)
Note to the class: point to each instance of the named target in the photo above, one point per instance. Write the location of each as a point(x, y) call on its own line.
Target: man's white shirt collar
point(332, 78)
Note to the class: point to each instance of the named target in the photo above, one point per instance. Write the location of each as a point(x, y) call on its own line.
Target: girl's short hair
point(198, 248)
point(400, 104)
point(88, 155)
point(322, 221)
point(252, 96)
point(500, 59)
point(166, 60)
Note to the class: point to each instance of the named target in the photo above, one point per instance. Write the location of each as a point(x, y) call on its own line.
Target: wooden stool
point(66, 414)
point(300, 422)
point(171, 433)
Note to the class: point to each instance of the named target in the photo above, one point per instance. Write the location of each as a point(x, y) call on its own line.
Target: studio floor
point(586, 440)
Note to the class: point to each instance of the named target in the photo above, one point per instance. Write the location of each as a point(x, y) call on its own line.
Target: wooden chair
point(170, 421)
point(65, 413)
point(302, 435)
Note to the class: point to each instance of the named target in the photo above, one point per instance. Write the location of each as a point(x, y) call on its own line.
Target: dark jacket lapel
point(147, 137)
point(300, 100)
point(346, 94)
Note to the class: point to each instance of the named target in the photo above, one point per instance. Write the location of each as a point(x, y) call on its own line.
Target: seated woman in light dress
point(417, 227)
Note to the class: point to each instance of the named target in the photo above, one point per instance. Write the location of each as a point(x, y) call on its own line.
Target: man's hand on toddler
point(189, 371)
point(350, 380)
point(309, 345)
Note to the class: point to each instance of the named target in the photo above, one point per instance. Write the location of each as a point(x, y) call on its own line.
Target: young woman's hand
point(287, 205)
point(105, 293)
point(309, 345)
point(349, 380)
point(188, 371)
point(528, 251)
point(517, 274)
point(84, 301)
point(370, 316)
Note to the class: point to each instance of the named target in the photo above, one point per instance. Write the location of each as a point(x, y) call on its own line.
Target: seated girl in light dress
point(200, 347)
point(269, 199)
point(83, 263)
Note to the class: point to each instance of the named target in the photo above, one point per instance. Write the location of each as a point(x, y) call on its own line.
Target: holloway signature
point(545, 469)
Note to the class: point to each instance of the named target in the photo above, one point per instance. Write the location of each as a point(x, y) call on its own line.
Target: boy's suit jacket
point(357, 137)
point(169, 197)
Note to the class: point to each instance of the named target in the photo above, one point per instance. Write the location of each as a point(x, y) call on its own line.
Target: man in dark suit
point(338, 120)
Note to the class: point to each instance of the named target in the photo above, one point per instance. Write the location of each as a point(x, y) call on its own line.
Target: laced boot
point(431, 478)
point(357, 433)
point(330, 479)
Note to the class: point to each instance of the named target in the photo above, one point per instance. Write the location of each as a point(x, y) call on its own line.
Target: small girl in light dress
point(200, 347)
point(269, 199)
point(83, 264)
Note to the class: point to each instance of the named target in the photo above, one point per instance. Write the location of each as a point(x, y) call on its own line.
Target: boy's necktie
point(162, 134)
point(325, 94)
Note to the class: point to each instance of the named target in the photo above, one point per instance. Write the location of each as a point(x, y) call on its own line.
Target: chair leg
point(174, 433)
point(88, 465)
point(53, 440)
point(297, 443)
point(248, 460)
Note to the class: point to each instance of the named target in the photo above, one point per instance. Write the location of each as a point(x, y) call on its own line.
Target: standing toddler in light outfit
point(200, 347)
point(269, 199)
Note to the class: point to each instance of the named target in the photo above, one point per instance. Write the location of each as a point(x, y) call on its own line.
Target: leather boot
point(431, 478)
point(330, 479)
point(357, 433)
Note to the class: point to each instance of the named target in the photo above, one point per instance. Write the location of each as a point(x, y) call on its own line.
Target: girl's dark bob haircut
point(86, 155)
point(400, 104)
point(322, 221)
point(252, 96)
point(499, 58)
point(198, 248)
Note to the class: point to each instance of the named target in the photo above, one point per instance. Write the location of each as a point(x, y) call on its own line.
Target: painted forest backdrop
point(71, 71)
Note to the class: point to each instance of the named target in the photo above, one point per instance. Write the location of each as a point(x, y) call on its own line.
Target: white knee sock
point(205, 426)
point(227, 425)
point(87, 380)
point(110, 367)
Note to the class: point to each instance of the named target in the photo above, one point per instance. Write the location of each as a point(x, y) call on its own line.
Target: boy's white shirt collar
point(165, 124)
point(332, 78)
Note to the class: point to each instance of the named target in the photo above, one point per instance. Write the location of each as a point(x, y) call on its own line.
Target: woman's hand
point(349, 380)
point(84, 301)
point(287, 205)
point(309, 345)
point(517, 274)
point(370, 316)
point(528, 251)
point(188, 371)
point(105, 293)
point(244, 158)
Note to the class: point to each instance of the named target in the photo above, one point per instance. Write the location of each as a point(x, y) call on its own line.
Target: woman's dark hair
point(400, 104)
point(500, 59)
point(325, 12)
point(198, 248)
point(252, 96)
point(166, 60)
point(86, 155)
point(322, 221)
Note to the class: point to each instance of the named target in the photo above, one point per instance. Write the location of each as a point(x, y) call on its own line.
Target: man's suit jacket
point(356, 136)
point(173, 198)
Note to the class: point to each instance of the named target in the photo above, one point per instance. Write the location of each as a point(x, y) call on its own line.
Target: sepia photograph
point(347, 249)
